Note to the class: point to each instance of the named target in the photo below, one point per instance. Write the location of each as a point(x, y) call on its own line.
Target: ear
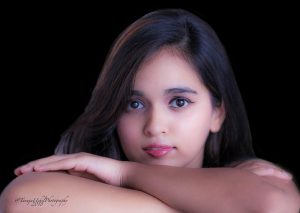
point(218, 118)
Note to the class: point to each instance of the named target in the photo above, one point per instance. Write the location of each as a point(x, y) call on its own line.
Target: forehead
point(167, 69)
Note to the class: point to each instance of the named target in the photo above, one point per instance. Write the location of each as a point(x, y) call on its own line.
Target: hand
point(264, 168)
point(81, 164)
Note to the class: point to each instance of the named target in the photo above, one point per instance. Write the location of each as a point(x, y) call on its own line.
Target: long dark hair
point(95, 129)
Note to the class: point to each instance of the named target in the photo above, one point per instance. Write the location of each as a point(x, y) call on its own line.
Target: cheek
point(127, 129)
point(194, 128)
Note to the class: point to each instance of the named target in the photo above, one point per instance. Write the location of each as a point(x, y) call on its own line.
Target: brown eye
point(132, 105)
point(179, 102)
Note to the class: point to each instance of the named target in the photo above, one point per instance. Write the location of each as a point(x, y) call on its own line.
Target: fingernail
point(23, 169)
point(38, 168)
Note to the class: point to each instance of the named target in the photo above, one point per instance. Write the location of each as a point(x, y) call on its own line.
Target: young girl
point(165, 131)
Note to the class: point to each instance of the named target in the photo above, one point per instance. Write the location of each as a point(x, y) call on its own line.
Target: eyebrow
point(169, 91)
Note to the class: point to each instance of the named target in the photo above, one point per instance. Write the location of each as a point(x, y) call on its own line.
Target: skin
point(201, 189)
point(171, 106)
point(160, 120)
point(81, 195)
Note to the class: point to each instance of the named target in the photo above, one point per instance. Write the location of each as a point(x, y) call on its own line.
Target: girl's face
point(170, 114)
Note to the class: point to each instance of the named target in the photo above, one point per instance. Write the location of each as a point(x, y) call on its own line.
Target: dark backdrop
point(53, 54)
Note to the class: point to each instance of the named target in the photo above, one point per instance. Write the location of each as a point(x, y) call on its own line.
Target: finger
point(62, 164)
point(21, 170)
point(29, 167)
point(80, 165)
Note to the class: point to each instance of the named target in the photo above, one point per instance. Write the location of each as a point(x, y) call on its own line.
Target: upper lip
point(158, 146)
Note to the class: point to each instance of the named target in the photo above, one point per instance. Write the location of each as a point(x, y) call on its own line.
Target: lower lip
point(159, 152)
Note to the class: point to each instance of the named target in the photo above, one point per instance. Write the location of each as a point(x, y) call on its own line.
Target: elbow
point(8, 202)
point(12, 197)
point(266, 198)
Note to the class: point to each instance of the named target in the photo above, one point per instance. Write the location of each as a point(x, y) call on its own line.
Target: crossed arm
point(150, 188)
point(58, 192)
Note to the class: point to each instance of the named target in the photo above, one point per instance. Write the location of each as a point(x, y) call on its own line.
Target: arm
point(73, 194)
point(190, 190)
point(262, 168)
point(214, 189)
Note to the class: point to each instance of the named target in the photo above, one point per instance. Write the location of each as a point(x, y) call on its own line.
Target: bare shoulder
point(60, 192)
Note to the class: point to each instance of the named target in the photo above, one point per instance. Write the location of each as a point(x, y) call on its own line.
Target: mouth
point(158, 151)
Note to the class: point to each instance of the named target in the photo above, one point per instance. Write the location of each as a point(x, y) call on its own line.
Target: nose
point(156, 122)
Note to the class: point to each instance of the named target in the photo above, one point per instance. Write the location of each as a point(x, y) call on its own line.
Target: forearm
point(204, 190)
point(58, 192)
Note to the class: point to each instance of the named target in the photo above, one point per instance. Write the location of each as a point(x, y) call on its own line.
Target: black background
point(53, 54)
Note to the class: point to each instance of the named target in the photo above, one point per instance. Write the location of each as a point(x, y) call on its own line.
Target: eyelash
point(186, 100)
point(129, 108)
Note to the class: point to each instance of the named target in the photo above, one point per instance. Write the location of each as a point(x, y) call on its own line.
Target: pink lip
point(157, 150)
